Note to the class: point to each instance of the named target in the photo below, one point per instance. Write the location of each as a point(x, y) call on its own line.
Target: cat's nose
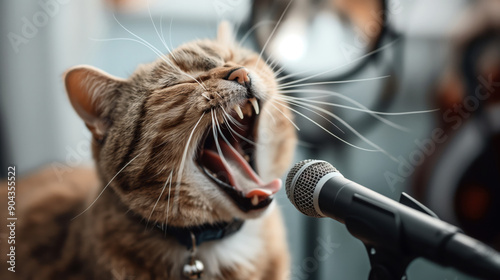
point(240, 75)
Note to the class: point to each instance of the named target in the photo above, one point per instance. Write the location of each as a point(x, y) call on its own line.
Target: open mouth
point(227, 157)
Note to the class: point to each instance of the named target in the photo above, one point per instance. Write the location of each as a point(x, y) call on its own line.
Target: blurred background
point(351, 68)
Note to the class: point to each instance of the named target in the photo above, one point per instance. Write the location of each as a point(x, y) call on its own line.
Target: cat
point(190, 145)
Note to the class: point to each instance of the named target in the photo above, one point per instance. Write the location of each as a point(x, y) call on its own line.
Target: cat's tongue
point(244, 177)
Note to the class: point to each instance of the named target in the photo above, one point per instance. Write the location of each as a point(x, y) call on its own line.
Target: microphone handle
point(383, 223)
point(472, 257)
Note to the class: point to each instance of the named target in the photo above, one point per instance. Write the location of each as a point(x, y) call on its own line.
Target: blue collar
point(202, 233)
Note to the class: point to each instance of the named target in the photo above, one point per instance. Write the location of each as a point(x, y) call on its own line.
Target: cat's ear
point(90, 91)
point(225, 33)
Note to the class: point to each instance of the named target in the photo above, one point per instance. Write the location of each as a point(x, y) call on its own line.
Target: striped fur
point(144, 123)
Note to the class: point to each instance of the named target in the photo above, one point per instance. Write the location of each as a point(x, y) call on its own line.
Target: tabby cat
point(188, 153)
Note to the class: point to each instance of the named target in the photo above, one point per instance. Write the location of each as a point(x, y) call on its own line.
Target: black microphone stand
point(391, 264)
point(387, 266)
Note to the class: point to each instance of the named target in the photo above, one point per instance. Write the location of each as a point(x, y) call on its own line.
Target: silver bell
point(193, 269)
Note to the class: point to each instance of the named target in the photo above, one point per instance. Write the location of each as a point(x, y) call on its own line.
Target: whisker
point(228, 126)
point(170, 38)
point(163, 168)
point(159, 197)
point(255, 26)
point(222, 134)
point(160, 55)
point(158, 52)
point(232, 131)
point(310, 99)
point(225, 140)
point(304, 106)
point(363, 108)
point(326, 130)
point(291, 84)
point(168, 201)
point(378, 148)
point(336, 68)
point(272, 33)
point(206, 96)
point(360, 106)
point(304, 98)
point(183, 161)
point(271, 103)
point(271, 65)
point(154, 50)
point(216, 139)
point(105, 188)
point(169, 49)
point(194, 79)
point(156, 30)
point(279, 71)
point(373, 114)
point(218, 94)
point(233, 120)
point(272, 61)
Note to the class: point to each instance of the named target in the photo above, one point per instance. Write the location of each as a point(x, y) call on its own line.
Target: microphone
point(318, 189)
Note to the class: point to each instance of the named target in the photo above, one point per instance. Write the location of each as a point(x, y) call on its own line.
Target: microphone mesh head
point(301, 182)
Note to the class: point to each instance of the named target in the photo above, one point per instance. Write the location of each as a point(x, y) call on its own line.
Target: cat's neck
point(121, 242)
point(126, 244)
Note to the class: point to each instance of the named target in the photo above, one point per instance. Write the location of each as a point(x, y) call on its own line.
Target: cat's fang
point(238, 111)
point(255, 105)
point(255, 200)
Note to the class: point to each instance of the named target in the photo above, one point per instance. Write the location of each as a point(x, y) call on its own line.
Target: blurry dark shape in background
point(323, 41)
point(313, 37)
point(461, 181)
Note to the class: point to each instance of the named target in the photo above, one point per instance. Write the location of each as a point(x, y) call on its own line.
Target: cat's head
point(183, 139)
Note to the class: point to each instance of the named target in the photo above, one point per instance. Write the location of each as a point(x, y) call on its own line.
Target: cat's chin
point(233, 211)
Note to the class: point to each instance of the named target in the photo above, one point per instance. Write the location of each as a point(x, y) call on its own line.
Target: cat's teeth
point(238, 111)
point(255, 105)
point(255, 200)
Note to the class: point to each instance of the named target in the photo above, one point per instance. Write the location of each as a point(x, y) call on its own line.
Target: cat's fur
point(141, 127)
